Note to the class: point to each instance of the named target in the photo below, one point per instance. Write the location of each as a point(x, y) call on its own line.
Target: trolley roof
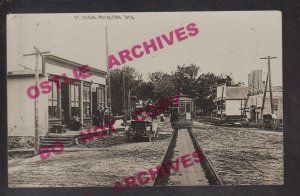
point(182, 98)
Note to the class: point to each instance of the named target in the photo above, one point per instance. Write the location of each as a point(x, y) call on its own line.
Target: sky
point(228, 42)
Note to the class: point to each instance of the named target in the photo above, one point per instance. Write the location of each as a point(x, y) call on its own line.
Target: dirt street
point(240, 156)
point(99, 163)
point(243, 155)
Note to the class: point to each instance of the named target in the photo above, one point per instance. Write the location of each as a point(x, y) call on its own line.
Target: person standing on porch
point(101, 115)
point(62, 113)
point(76, 123)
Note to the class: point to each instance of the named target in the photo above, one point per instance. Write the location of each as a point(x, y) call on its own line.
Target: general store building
point(76, 96)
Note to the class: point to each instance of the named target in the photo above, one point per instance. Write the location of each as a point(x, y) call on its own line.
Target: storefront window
point(101, 96)
point(53, 101)
point(86, 101)
point(74, 91)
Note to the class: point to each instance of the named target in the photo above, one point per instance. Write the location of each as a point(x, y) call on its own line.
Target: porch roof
point(55, 60)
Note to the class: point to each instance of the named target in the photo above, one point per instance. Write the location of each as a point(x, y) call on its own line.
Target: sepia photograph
point(129, 100)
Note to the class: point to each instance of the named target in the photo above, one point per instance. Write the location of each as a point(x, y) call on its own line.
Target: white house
point(230, 100)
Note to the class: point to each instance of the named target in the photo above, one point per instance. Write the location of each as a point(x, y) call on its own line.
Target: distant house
point(230, 100)
point(255, 101)
point(256, 89)
point(76, 95)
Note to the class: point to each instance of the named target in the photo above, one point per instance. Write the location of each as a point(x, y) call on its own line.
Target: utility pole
point(129, 105)
point(270, 84)
point(255, 109)
point(124, 94)
point(108, 70)
point(264, 97)
point(241, 109)
point(175, 81)
point(222, 101)
point(36, 100)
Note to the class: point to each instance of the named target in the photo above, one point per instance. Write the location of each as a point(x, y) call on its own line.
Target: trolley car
point(182, 110)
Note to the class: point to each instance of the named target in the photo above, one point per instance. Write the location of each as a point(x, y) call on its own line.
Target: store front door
point(65, 104)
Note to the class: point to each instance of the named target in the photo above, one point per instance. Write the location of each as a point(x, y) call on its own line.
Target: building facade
point(254, 104)
point(230, 100)
point(256, 88)
point(66, 89)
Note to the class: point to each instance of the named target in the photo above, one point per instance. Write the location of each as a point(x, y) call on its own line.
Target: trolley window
point(182, 107)
point(188, 107)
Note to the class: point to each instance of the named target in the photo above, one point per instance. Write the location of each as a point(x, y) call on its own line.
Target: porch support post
point(106, 97)
point(59, 101)
point(91, 100)
point(81, 101)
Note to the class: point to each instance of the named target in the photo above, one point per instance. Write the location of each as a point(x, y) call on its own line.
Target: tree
point(186, 77)
point(144, 91)
point(207, 89)
point(163, 85)
point(133, 82)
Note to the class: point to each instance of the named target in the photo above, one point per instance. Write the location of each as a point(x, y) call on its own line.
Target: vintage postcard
point(130, 100)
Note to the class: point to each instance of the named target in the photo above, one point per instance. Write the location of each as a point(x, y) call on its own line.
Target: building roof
point(25, 73)
point(236, 92)
point(181, 97)
point(55, 60)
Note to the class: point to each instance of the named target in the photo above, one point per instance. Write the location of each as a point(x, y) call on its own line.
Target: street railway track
point(183, 142)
